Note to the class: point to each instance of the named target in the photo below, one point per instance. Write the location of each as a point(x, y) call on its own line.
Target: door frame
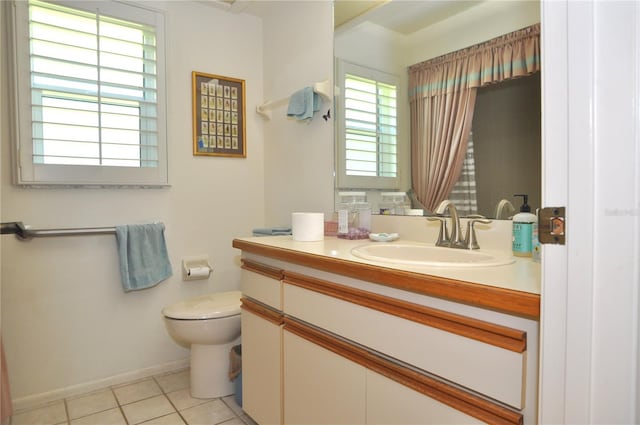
point(589, 366)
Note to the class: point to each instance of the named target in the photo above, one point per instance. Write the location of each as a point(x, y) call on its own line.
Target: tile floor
point(159, 400)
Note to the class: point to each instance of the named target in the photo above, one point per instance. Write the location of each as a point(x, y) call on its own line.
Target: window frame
point(29, 174)
point(345, 181)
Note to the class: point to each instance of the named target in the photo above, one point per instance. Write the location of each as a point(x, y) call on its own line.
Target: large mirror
point(390, 36)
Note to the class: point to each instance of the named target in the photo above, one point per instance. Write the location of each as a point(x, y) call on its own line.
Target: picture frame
point(219, 118)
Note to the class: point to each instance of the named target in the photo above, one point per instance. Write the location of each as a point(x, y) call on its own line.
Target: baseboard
point(35, 400)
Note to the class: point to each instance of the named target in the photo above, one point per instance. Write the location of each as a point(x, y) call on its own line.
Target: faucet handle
point(470, 239)
point(443, 235)
point(475, 216)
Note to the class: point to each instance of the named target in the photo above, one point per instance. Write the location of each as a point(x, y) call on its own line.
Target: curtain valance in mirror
point(509, 56)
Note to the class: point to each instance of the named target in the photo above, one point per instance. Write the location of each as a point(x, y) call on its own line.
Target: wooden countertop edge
point(508, 301)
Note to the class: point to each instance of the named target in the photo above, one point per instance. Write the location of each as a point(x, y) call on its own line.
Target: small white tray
point(383, 237)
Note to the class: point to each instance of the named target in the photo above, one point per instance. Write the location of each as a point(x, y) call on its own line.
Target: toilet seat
point(211, 306)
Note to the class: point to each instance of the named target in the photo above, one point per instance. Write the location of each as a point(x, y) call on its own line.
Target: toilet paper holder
point(195, 268)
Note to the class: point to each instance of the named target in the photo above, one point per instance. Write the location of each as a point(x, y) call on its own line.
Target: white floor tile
point(174, 381)
point(233, 421)
point(182, 399)
point(172, 419)
point(135, 392)
point(147, 409)
point(231, 402)
point(140, 402)
point(91, 403)
point(108, 417)
point(50, 414)
point(247, 420)
point(210, 413)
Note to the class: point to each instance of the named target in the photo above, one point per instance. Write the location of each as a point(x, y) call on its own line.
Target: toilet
point(209, 325)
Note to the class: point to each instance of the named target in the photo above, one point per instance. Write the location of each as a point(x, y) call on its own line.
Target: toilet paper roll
point(307, 226)
point(198, 272)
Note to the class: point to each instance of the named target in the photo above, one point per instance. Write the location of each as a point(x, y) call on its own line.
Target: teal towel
point(272, 231)
point(303, 104)
point(144, 261)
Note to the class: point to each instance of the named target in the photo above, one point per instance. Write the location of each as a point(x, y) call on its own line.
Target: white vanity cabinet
point(357, 347)
point(262, 342)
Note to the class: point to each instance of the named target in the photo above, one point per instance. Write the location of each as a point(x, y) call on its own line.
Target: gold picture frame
point(219, 125)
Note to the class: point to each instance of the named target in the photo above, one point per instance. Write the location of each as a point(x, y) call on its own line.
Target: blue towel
point(144, 261)
point(272, 231)
point(303, 104)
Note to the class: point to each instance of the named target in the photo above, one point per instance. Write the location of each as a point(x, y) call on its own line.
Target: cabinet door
point(389, 402)
point(261, 369)
point(320, 387)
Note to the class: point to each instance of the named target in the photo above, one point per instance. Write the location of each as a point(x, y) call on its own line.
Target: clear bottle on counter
point(354, 216)
point(396, 203)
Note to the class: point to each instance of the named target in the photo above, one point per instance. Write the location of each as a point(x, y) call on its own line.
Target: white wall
point(373, 46)
point(298, 167)
point(480, 23)
point(65, 319)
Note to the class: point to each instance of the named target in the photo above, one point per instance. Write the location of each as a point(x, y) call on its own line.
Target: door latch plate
point(551, 225)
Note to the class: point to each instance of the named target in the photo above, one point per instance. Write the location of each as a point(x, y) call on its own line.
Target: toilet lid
point(210, 306)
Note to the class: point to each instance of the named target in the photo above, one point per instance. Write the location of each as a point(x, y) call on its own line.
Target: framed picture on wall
point(218, 115)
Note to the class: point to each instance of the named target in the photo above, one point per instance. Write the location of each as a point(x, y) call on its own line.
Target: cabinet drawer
point(262, 283)
point(487, 358)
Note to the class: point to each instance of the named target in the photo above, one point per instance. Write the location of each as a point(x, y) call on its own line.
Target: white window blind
point(370, 127)
point(95, 94)
point(367, 154)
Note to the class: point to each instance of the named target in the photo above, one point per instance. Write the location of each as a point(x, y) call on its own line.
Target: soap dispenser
point(523, 229)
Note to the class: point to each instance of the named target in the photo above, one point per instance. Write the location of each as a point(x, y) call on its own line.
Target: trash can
point(235, 372)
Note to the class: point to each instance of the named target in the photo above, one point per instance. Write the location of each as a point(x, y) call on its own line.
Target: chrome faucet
point(504, 210)
point(453, 240)
point(443, 236)
point(470, 239)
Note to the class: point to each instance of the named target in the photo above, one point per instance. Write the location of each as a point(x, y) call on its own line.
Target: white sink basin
point(418, 254)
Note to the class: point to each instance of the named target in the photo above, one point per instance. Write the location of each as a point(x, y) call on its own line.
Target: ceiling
point(402, 16)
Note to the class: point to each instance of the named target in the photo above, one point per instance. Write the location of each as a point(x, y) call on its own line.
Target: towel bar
point(323, 88)
point(24, 233)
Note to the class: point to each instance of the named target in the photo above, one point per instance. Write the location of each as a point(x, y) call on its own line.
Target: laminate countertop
point(512, 288)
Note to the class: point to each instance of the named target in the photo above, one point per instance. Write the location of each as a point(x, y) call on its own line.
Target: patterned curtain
point(463, 193)
point(442, 93)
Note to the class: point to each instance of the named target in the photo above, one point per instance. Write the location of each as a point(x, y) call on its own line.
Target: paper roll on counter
point(307, 226)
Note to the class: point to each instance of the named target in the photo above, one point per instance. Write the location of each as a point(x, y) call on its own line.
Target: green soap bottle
point(523, 229)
